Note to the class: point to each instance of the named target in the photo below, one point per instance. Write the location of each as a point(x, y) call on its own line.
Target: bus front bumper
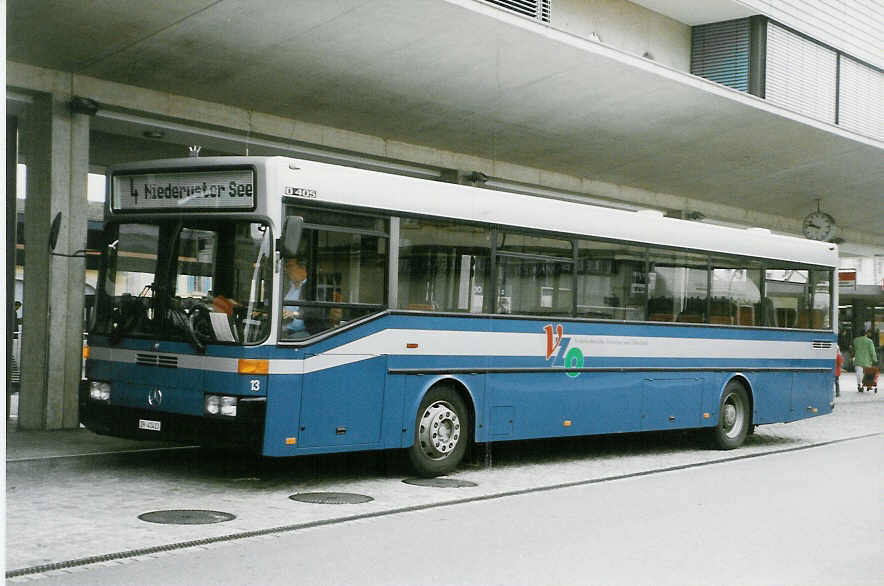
point(243, 432)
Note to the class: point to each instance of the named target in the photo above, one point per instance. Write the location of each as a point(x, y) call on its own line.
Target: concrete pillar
point(55, 146)
point(11, 221)
point(860, 314)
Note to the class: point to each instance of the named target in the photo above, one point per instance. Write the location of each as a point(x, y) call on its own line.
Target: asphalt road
point(807, 516)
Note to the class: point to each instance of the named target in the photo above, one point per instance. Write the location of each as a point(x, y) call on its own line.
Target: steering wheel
point(199, 327)
point(125, 317)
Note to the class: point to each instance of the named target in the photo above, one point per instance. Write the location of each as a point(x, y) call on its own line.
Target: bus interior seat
point(746, 316)
point(690, 318)
point(660, 317)
point(804, 317)
point(721, 319)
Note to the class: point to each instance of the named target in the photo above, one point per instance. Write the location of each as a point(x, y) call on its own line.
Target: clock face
point(819, 226)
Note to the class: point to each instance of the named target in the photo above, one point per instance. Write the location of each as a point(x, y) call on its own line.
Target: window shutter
point(720, 52)
point(861, 99)
point(800, 74)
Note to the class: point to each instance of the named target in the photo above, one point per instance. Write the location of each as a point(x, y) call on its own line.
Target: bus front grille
point(145, 359)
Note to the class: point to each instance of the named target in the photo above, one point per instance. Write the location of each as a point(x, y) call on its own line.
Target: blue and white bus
point(294, 307)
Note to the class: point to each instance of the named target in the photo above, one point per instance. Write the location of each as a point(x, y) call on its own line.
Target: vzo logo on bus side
point(557, 345)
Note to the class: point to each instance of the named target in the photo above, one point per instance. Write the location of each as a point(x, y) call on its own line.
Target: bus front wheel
point(441, 433)
point(734, 418)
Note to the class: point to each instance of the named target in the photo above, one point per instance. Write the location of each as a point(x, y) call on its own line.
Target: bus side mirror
point(53, 239)
point(53, 231)
point(291, 235)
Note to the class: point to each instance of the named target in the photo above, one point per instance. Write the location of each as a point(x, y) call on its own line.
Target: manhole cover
point(440, 482)
point(186, 517)
point(331, 498)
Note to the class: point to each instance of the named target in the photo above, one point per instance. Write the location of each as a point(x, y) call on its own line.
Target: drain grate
point(331, 498)
point(186, 517)
point(440, 482)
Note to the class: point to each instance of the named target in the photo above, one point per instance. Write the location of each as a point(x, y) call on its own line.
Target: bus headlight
point(213, 404)
point(99, 391)
point(228, 406)
point(223, 405)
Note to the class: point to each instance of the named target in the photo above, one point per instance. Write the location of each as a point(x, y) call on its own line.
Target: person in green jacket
point(863, 356)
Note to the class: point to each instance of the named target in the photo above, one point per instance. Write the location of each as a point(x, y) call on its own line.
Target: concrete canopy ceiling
point(694, 12)
point(460, 76)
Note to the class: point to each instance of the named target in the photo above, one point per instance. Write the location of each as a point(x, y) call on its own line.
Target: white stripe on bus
point(498, 344)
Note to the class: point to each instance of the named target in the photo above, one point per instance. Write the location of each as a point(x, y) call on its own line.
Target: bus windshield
point(199, 281)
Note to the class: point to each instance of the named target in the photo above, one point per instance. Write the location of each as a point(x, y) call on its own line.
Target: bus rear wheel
point(734, 418)
point(441, 433)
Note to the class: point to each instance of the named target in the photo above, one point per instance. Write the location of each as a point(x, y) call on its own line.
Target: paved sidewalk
point(29, 445)
point(64, 507)
point(21, 445)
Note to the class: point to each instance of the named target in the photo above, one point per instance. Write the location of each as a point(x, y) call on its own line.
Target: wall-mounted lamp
point(461, 177)
point(81, 105)
point(477, 177)
point(693, 215)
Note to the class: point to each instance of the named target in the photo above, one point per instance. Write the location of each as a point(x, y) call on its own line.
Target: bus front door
point(342, 399)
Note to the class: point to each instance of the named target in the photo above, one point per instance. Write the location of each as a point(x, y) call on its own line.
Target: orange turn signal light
point(567, 423)
point(290, 441)
point(85, 352)
point(253, 366)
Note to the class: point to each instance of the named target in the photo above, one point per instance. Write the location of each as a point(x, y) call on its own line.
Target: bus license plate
point(149, 425)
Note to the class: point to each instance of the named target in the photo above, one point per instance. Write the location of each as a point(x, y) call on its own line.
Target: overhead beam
point(245, 127)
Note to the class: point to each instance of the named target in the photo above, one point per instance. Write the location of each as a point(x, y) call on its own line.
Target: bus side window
point(611, 280)
point(798, 298)
point(443, 266)
point(736, 292)
point(534, 286)
point(535, 275)
point(821, 298)
point(678, 286)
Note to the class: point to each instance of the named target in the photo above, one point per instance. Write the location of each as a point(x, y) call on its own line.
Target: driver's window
point(338, 274)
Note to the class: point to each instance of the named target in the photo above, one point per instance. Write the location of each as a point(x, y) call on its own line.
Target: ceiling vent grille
point(536, 9)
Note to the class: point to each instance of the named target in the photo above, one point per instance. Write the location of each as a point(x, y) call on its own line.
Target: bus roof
point(396, 193)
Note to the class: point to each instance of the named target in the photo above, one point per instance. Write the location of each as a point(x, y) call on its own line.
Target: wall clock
point(819, 225)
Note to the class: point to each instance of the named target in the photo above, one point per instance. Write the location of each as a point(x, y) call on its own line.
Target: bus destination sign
point(206, 190)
